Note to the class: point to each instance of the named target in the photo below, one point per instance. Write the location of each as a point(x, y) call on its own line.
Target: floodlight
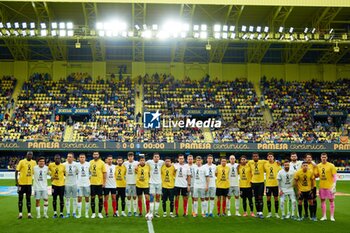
point(130, 34)
point(313, 30)
point(70, 33)
point(54, 25)
point(251, 28)
point(63, 33)
point(43, 32)
point(53, 33)
point(16, 24)
point(183, 34)
point(258, 28)
point(217, 35)
point(280, 30)
point(244, 28)
point(224, 35)
point(155, 27)
point(32, 33)
point(144, 27)
point(331, 31)
point(266, 29)
point(8, 25)
point(1, 25)
point(69, 25)
point(217, 28)
point(186, 27)
point(32, 25)
point(204, 35)
point(225, 28)
point(305, 30)
point(24, 33)
point(146, 34)
point(101, 33)
point(233, 35)
point(204, 27)
point(291, 29)
point(62, 25)
point(196, 27)
point(232, 28)
point(196, 35)
point(137, 27)
point(43, 25)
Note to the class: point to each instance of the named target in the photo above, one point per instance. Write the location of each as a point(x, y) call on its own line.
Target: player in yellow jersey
point(142, 172)
point(258, 186)
point(57, 172)
point(98, 181)
point(222, 185)
point(271, 169)
point(120, 173)
point(168, 183)
point(313, 167)
point(305, 182)
point(25, 168)
point(328, 178)
point(245, 186)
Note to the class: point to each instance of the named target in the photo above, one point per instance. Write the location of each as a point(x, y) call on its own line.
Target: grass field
point(9, 222)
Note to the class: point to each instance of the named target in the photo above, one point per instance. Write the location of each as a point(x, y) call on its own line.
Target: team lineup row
point(135, 182)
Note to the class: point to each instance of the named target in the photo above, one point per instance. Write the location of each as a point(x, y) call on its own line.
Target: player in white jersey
point(191, 166)
point(294, 163)
point(285, 179)
point(155, 183)
point(110, 187)
point(130, 190)
point(83, 184)
point(70, 184)
point(182, 183)
point(40, 186)
point(234, 186)
point(210, 195)
point(200, 187)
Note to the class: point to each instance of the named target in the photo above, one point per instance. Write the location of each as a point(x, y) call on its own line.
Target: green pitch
point(9, 222)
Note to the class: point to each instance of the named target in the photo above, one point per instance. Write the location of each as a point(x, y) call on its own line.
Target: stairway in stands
point(15, 95)
point(267, 113)
point(138, 100)
point(208, 136)
point(68, 134)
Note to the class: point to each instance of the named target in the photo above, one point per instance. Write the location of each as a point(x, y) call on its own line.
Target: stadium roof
point(194, 50)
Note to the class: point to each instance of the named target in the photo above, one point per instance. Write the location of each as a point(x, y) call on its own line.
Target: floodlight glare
point(224, 35)
point(291, 29)
point(8, 25)
point(232, 28)
point(62, 25)
point(101, 33)
point(109, 33)
point(43, 32)
point(266, 29)
point(244, 28)
point(16, 25)
point(258, 29)
point(63, 33)
point(32, 25)
point(196, 27)
point(53, 33)
point(204, 35)
point(146, 34)
point(54, 25)
point(69, 25)
point(183, 34)
point(233, 35)
point(313, 30)
point(217, 28)
point(196, 35)
point(280, 30)
point(204, 27)
point(43, 25)
point(130, 34)
point(99, 26)
point(251, 28)
point(225, 28)
point(24, 33)
point(144, 27)
point(163, 35)
point(155, 27)
point(305, 30)
point(186, 27)
point(217, 35)
point(124, 34)
point(1, 25)
point(70, 33)
point(331, 31)
point(32, 33)
point(137, 27)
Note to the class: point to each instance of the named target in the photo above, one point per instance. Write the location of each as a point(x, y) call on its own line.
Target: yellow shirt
point(257, 169)
point(245, 175)
point(120, 172)
point(26, 171)
point(222, 176)
point(271, 170)
point(304, 180)
point(326, 172)
point(168, 177)
point(142, 176)
point(97, 170)
point(313, 169)
point(57, 173)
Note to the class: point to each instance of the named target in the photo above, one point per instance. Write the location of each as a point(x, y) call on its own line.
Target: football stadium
point(175, 116)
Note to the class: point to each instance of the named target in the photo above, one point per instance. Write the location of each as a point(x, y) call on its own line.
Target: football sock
point(100, 204)
point(68, 205)
point(114, 205)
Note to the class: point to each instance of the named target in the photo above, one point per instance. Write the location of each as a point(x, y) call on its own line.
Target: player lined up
point(142, 182)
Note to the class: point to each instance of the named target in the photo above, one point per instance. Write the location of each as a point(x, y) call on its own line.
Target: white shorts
point(41, 194)
point(70, 191)
point(130, 190)
point(211, 192)
point(83, 191)
point(199, 193)
point(233, 191)
point(155, 189)
point(289, 194)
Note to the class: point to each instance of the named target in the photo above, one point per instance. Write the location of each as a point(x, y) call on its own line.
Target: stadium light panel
point(196, 27)
point(1, 25)
point(292, 38)
point(53, 33)
point(225, 28)
point(144, 27)
point(266, 29)
point(109, 33)
point(124, 34)
point(32, 25)
point(16, 24)
point(204, 27)
point(224, 35)
point(70, 33)
point(70, 25)
point(217, 28)
point(54, 25)
point(43, 25)
point(137, 27)
point(244, 28)
point(251, 28)
point(232, 28)
point(155, 27)
point(331, 31)
point(63, 33)
point(313, 30)
point(24, 33)
point(204, 35)
point(16, 33)
point(43, 32)
point(62, 25)
point(146, 34)
point(130, 34)
point(245, 36)
point(280, 30)
point(251, 36)
point(99, 26)
point(24, 25)
point(233, 35)
point(305, 30)
point(32, 33)
point(327, 36)
point(186, 27)
point(0, 33)
point(8, 33)
point(217, 35)
point(291, 29)
point(306, 38)
point(267, 36)
point(183, 34)
point(196, 35)
point(258, 28)
point(8, 25)
point(259, 36)
point(163, 35)
point(101, 33)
